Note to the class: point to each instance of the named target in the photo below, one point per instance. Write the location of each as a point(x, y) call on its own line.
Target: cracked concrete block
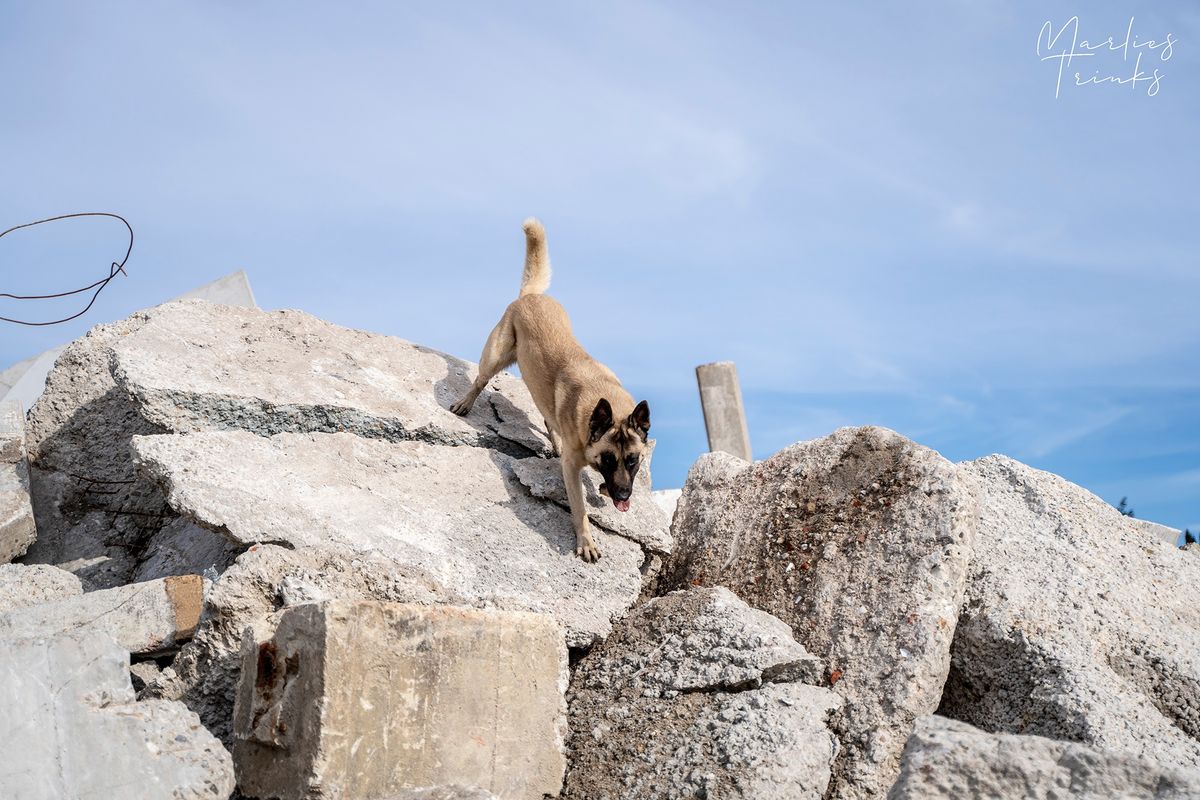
point(197, 366)
point(1076, 625)
point(24, 585)
point(71, 728)
point(152, 617)
point(93, 513)
point(359, 700)
point(947, 760)
point(695, 695)
point(192, 365)
point(859, 541)
point(456, 521)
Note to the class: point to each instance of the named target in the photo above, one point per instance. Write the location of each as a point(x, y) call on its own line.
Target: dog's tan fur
point(591, 419)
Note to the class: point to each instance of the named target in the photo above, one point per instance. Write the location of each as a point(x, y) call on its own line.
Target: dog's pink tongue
point(622, 505)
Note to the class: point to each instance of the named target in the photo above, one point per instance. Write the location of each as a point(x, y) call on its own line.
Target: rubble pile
point(253, 554)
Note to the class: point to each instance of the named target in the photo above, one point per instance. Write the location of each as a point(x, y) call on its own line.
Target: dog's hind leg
point(499, 351)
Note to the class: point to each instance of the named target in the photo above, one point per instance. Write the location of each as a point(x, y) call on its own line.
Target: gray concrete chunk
point(1077, 624)
point(949, 760)
point(23, 585)
point(456, 521)
point(152, 617)
point(197, 366)
point(694, 695)
point(428, 695)
point(859, 541)
point(71, 729)
point(18, 529)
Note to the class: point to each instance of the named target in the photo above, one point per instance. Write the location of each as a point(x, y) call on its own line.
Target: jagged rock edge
point(263, 418)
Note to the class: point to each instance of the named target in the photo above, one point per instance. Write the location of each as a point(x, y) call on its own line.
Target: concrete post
point(721, 400)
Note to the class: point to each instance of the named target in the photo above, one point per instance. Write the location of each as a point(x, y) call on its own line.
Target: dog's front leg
point(585, 548)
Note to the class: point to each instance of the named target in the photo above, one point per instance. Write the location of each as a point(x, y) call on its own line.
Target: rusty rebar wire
point(113, 270)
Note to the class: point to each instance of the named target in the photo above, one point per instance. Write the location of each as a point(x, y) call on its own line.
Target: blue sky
point(880, 211)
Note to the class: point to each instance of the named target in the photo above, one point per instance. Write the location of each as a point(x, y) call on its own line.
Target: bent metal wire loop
point(113, 270)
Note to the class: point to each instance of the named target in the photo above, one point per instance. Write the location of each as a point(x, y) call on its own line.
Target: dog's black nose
point(622, 494)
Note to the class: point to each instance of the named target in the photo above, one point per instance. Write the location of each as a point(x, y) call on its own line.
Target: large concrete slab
point(456, 522)
point(362, 700)
point(72, 729)
point(195, 366)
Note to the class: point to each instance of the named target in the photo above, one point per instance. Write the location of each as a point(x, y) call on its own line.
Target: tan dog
point(591, 419)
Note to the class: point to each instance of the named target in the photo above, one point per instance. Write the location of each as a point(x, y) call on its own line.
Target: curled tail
point(536, 277)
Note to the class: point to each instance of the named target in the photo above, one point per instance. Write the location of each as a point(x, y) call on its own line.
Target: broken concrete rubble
point(22, 586)
point(364, 699)
point(71, 728)
point(456, 521)
point(1077, 625)
point(197, 366)
point(859, 541)
point(93, 513)
point(152, 617)
point(948, 760)
point(694, 695)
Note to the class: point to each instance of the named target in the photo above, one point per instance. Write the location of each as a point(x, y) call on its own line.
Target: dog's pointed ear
point(602, 420)
point(640, 419)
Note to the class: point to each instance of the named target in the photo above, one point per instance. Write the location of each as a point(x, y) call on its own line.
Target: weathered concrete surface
point(643, 523)
point(196, 366)
point(12, 433)
point(265, 578)
point(431, 694)
point(1077, 625)
point(71, 728)
point(721, 402)
point(685, 699)
point(92, 511)
point(152, 617)
point(859, 541)
point(667, 500)
point(17, 528)
point(456, 521)
point(1165, 533)
point(192, 365)
point(453, 792)
point(949, 760)
point(22, 586)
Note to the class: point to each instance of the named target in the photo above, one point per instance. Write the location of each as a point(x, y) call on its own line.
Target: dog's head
point(616, 448)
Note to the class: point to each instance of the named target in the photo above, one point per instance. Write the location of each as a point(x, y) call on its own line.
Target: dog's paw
point(588, 551)
point(462, 407)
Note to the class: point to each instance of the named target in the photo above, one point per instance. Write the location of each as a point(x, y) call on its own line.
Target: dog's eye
point(631, 463)
point(608, 461)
